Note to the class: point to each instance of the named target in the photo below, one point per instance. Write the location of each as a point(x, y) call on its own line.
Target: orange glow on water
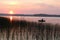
point(11, 12)
point(11, 18)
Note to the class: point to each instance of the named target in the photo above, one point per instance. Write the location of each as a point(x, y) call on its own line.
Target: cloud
point(48, 9)
point(44, 8)
point(31, 8)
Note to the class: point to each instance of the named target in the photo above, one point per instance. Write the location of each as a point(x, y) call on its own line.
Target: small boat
point(42, 20)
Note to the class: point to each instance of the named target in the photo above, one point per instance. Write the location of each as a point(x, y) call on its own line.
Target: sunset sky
point(30, 6)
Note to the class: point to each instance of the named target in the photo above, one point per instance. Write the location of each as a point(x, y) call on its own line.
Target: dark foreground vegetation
point(24, 30)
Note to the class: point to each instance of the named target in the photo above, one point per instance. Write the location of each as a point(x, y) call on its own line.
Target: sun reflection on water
point(11, 12)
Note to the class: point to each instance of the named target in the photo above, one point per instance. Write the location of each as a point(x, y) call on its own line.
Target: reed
point(25, 30)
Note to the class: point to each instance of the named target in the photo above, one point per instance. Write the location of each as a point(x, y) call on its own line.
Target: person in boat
point(42, 20)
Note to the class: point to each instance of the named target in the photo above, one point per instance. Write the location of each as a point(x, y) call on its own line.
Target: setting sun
point(11, 12)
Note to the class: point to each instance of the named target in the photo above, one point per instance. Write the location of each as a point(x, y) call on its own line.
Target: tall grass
point(25, 30)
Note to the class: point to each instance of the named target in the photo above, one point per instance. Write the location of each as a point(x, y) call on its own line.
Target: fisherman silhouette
point(42, 20)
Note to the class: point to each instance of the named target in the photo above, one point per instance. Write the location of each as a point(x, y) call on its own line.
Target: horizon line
point(32, 15)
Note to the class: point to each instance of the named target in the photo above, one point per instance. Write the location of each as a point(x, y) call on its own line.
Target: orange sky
point(30, 6)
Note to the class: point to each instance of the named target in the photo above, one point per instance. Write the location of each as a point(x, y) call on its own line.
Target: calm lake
point(54, 20)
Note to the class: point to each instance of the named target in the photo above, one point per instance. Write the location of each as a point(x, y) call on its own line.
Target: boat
point(42, 20)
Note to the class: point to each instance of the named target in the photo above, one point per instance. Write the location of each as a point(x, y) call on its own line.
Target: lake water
point(54, 20)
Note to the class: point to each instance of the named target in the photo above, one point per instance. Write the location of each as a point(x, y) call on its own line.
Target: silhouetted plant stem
point(26, 35)
point(3, 35)
point(13, 35)
point(53, 32)
point(0, 34)
point(17, 35)
point(20, 34)
point(8, 34)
